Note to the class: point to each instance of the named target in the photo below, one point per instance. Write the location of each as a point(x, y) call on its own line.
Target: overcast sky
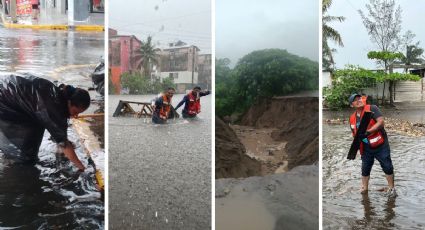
point(165, 20)
point(354, 35)
point(243, 26)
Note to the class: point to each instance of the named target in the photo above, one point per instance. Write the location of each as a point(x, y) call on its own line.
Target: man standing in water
point(162, 106)
point(374, 142)
point(192, 102)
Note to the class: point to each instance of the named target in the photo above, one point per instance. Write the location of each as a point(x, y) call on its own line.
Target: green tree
point(355, 79)
point(149, 56)
point(383, 24)
point(329, 33)
point(225, 95)
point(412, 53)
point(262, 74)
point(411, 50)
point(135, 83)
point(388, 58)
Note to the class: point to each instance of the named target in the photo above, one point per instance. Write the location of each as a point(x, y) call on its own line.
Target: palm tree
point(329, 33)
point(413, 55)
point(149, 56)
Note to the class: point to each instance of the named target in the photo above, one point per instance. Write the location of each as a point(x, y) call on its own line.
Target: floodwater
point(159, 175)
point(273, 202)
point(43, 52)
point(343, 205)
point(50, 194)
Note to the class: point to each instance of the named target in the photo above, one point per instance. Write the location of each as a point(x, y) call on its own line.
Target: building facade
point(180, 62)
point(204, 71)
point(124, 57)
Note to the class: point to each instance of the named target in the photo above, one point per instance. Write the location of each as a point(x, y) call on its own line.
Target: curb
point(91, 28)
point(91, 148)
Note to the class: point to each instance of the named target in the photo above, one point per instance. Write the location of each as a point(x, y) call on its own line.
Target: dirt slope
point(230, 158)
point(297, 122)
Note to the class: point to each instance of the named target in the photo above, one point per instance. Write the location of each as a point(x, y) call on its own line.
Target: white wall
point(326, 79)
point(184, 77)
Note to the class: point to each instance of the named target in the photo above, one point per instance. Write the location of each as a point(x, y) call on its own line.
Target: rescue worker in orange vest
point(192, 102)
point(162, 106)
point(374, 143)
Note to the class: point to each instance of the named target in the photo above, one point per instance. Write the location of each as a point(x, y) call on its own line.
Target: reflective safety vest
point(375, 139)
point(194, 106)
point(165, 109)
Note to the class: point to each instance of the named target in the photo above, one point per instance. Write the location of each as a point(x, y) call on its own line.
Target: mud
point(343, 205)
point(263, 148)
point(271, 139)
point(159, 175)
point(280, 134)
point(230, 158)
point(280, 201)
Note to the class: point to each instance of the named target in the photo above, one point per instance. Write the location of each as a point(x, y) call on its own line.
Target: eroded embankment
point(230, 158)
point(275, 135)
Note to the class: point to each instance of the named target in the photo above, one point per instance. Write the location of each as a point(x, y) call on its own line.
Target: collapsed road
point(261, 158)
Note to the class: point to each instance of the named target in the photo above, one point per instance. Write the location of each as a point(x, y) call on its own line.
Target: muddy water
point(260, 145)
point(159, 175)
point(249, 213)
point(278, 201)
point(343, 205)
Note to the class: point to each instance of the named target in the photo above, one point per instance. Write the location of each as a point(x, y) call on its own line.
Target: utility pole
point(193, 65)
point(13, 11)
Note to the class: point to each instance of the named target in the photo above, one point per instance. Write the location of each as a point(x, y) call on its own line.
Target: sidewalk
point(52, 20)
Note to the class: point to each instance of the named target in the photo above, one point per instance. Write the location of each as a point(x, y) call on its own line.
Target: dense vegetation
point(355, 79)
point(137, 84)
point(261, 74)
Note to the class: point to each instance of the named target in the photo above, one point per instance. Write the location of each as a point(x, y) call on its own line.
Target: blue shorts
point(384, 158)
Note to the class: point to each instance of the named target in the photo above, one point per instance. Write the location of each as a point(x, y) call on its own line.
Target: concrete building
point(124, 57)
point(204, 71)
point(180, 62)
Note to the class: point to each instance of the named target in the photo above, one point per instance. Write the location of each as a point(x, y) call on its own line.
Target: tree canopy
point(262, 74)
point(329, 33)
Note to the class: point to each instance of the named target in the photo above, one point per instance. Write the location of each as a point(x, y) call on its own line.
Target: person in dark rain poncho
point(28, 106)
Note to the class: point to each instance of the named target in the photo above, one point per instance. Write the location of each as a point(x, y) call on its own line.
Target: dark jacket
point(186, 100)
point(28, 106)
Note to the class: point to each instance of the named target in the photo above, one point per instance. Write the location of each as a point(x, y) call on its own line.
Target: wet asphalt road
point(159, 175)
point(343, 205)
point(50, 195)
point(42, 52)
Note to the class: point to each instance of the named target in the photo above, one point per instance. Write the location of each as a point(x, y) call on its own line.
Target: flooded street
point(343, 205)
point(44, 52)
point(51, 194)
point(159, 175)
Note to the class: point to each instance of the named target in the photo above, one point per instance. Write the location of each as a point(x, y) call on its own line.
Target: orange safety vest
point(194, 106)
point(165, 109)
point(375, 139)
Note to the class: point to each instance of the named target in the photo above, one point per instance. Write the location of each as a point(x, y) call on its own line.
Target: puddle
point(243, 213)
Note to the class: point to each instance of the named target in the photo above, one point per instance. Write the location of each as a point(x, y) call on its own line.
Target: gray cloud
point(245, 26)
point(165, 20)
point(356, 40)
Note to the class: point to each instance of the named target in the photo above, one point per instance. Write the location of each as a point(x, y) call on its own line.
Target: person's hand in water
point(69, 152)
